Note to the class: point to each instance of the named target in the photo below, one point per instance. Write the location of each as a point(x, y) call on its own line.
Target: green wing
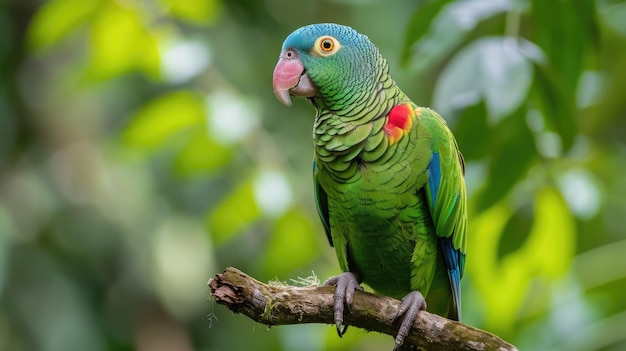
point(321, 203)
point(446, 194)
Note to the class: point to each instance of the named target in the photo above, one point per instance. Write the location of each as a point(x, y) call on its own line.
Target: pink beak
point(290, 78)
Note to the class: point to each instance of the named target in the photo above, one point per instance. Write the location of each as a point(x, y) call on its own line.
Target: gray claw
point(411, 304)
point(345, 285)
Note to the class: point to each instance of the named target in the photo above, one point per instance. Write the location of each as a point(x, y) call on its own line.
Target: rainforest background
point(142, 151)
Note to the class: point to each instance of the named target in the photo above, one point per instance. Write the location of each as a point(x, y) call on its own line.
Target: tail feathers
point(455, 283)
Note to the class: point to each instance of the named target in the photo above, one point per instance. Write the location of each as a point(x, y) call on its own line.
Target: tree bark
point(277, 304)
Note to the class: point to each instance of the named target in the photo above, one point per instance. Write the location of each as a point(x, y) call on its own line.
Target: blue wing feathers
point(434, 179)
point(453, 260)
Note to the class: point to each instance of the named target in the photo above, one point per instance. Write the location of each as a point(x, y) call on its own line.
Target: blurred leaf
point(471, 125)
point(517, 230)
point(202, 154)
point(501, 284)
point(196, 11)
point(55, 19)
point(7, 234)
point(419, 24)
point(565, 38)
point(513, 150)
point(120, 42)
point(556, 104)
point(163, 117)
point(292, 245)
point(547, 252)
point(551, 246)
point(507, 76)
point(446, 30)
point(235, 213)
point(613, 15)
point(491, 68)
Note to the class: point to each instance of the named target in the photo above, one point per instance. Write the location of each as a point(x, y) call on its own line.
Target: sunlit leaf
point(197, 11)
point(161, 118)
point(502, 288)
point(235, 213)
point(293, 244)
point(120, 42)
point(55, 19)
point(202, 154)
point(551, 245)
point(493, 69)
point(547, 253)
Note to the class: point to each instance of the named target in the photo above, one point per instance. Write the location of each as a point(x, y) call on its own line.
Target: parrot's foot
point(411, 304)
point(345, 283)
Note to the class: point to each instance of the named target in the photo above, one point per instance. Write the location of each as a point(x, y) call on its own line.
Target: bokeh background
point(142, 151)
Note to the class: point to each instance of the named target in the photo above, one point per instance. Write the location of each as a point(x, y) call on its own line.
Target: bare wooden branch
point(276, 304)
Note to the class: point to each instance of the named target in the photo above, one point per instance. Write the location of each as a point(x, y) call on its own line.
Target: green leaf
point(567, 37)
point(487, 272)
point(613, 15)
point(57, 18)
point(513, 151)
point(517, 230)
point(202, 154)
point(196, 11)
point(493, 69)
point(447, 30)
point(547, 252)
point(120, 42)
point(163, 117)
point(235, 213)
point(552, 241)
point(556, 104)
point(419, 25)
point(469, 126)
point(292, 245)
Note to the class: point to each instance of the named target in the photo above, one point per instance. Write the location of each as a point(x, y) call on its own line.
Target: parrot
point(389, 179)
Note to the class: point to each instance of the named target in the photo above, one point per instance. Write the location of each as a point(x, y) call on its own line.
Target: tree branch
point(275, 304)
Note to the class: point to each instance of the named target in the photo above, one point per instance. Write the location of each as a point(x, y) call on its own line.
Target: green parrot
point(388, 175)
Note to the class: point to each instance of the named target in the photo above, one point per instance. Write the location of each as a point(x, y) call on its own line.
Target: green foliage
point(235, 213)
point(164, 117)
point(142, 151)
point(201, 12)
point(56, 19)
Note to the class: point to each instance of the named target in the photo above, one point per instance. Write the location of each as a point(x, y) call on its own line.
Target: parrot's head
point(326, 61)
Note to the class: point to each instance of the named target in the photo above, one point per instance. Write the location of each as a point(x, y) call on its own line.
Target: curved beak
point(290, 78)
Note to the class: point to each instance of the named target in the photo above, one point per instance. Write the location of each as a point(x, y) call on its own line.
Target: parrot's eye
point(326, 46)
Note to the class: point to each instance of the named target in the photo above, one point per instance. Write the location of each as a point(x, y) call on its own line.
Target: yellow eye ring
point(326, 46)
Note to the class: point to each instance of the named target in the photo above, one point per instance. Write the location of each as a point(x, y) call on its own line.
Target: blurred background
point(142, 151)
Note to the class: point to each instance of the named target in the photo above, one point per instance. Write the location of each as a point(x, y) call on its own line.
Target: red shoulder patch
point(399, 121)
